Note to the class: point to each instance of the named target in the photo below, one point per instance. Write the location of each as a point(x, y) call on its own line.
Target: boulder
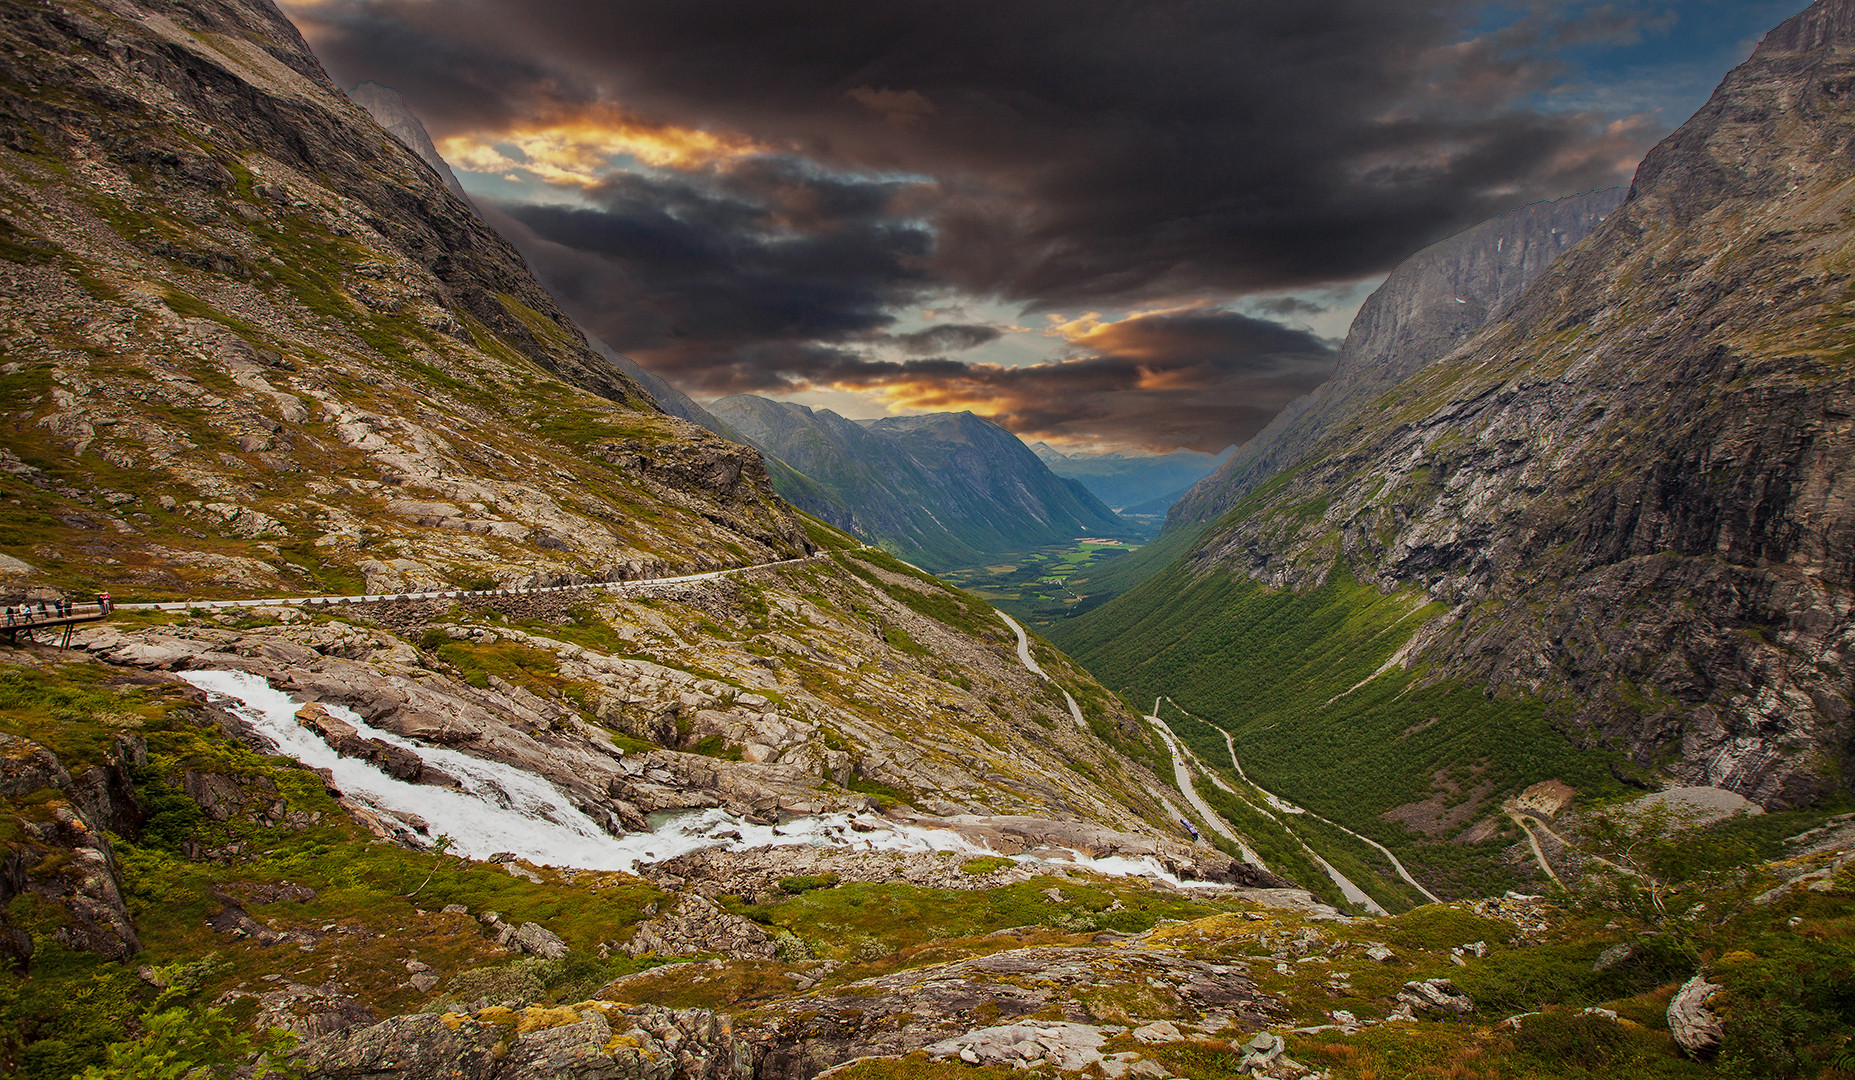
point(1068, 1047)
point(1695, 1028)
point(1436, 996)
point(537, 940)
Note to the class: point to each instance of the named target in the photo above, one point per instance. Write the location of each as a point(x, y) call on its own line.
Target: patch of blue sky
point(519, 187)
point(1654, 58)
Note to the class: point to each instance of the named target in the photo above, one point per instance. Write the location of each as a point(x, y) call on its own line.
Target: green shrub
point(1557, 1038)
point(801, 883)
point(196, 1045)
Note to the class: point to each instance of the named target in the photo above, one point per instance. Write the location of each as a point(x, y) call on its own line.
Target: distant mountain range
point(944, 490)
point(1133, 481)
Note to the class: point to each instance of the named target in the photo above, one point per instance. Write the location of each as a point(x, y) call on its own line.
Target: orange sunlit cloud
point(577, 152)
point(1127, 336)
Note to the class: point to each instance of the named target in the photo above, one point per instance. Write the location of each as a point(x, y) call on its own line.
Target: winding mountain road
point(1287, 807)
point(1031, 665)
point(1352, 892)
point(1403, 874)
point(441, 594)
point(1182, 776)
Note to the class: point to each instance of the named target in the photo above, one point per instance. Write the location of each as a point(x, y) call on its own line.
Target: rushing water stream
point(502, 808)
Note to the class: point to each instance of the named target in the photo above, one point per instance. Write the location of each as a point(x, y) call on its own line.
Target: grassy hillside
point(1292, 677)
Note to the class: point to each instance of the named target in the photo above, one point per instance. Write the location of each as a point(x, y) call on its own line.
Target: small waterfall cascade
point(499, 807)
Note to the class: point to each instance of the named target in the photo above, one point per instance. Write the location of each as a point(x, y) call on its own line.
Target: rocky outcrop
point(758, 873)
point(531, 938)
point(1629, 491)
point(592, 1040)
point(798, 1037)
point(1438, 996)
point(346, 740)
point(62, 853)
point(696, 926)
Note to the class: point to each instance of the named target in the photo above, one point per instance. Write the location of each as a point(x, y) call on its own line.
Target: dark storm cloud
point(1054, 154)
point(1198, 379)
point(1082, 150)
point(946, 337)
point(1285, 306)
point(738, 281)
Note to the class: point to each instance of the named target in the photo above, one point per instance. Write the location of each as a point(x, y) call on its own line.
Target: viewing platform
point(28, 622)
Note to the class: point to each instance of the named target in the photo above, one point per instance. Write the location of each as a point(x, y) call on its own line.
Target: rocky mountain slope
point(944, 490)
point(1604, 540)
point(1431, 303)
point(253, 344)
point(391, 112)
point(1428, 305)
point(1126, 479)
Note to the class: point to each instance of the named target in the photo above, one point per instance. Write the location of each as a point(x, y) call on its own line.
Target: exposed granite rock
point(798, 1037)
point(1695, 1027)
point(1436, 996)
point(1064, 1046)
point(587, 1041)
point(1431, 303)
point(696, 926)
point(304, 1010)
point(347, 741)
point(758, 873)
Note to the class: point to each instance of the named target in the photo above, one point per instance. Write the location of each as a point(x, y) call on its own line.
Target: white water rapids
point(502, 808)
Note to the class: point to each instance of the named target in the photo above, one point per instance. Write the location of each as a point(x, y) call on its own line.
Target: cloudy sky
point(1098, 222)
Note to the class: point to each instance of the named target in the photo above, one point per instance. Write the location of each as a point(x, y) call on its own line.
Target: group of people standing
point(60, 608)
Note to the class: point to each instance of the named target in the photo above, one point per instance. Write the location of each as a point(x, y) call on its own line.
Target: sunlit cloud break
point(581, 151)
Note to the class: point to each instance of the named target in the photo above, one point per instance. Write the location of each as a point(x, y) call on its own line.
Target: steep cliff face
point(1633, 492)
point(252, 343)
point(949, 489)
point(391, 112)
point(1431, 303)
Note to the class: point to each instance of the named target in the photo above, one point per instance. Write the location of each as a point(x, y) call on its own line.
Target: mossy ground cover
point(873, 924)
point(1296, 678)
point(934, 599)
